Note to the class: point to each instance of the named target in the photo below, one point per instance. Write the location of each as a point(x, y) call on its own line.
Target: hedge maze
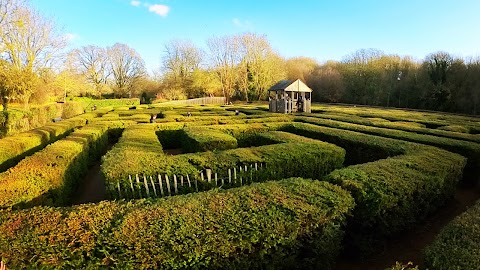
point(205, 188)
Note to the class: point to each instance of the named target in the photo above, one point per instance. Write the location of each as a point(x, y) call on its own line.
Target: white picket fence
point(143, 186)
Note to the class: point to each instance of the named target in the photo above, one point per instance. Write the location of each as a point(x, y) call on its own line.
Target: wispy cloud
point(242, 23)
point(135, 3)
point(71, 37)
point(158, 9)
point(161, 10)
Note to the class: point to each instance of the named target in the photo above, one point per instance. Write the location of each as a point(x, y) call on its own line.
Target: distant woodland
point(36, 68)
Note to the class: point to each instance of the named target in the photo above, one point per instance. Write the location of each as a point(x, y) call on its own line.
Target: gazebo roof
point(290, 86)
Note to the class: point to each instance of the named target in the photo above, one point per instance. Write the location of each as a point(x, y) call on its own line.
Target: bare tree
point(225, 56)
point(181, 58)
point(92, 62)
point(127, 68)
point(29, 43)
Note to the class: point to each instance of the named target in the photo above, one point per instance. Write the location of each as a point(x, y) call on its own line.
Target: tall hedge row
point(288, 224)
point(470, 150)
point(392, 193)
point(449, 131)
point(20, 120)
point(50, 175)
point(14, 148)
point(457, 247)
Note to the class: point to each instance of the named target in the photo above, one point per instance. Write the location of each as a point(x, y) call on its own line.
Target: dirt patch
point(173, 152)
point(92, 188)
point(409, 246)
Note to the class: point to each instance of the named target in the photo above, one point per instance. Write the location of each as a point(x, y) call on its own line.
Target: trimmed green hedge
point(468, 149)
point(88, 103)
point(49, 176)
point(457, 247)
point(442, 131)
point(288, 224)
point(15, 148)
point(23, 120)
point(297, 156)
point(392, 193)
point(200, 139)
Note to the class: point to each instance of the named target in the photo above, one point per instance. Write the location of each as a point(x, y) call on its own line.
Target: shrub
point(289, 224)
point(24, 120)
point(49, 176)
point(199, 139)
point(88, 103)
point(457, 245)
point(391, 193)
point(295, 157)
point(71, 109)
point(468, 149)
point(15, 148)
point(455, 128)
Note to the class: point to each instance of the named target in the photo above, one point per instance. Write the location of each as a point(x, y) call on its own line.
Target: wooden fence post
point(131, 186)
point(209, 175)
point(138, 185)
point(168, 185)
point(175, 183)
point(161, 185)
point(229, 176)
point(119, 192)
point(189, 183)
point(196, 184)
point(146, 185)
point(153, 185)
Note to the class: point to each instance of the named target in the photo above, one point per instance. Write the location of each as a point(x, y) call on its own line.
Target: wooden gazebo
point(289, 96)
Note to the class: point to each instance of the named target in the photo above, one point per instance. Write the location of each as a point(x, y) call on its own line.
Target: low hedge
point(447, 131)
point(49, 176)
point(138, 150)
point(200, 139)
point(15, 148)
point(457, 245)
point(288, 224)
point(296, 157)
point(391, 193)
point(468, 149)
point(88, 103)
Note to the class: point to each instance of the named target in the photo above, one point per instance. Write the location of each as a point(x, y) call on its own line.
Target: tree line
point(34, 67)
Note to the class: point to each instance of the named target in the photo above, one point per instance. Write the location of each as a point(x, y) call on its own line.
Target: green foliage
point(468, 149)
point(14, 148)
point(200, 139)
point(71, 109)
point(295, 156)
point(401, 266)
point(455, 128)
point(49, 176)
point(23, 120)
point(88, 103)
point(456, 247)
point(288, 224)
point(391, 193)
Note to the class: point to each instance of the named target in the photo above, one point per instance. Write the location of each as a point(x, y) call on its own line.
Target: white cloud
point(161, 10)
point(135, 3)
point(71, 36)
point(241, 24)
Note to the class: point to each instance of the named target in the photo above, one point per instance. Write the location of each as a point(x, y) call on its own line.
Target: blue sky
point(319, 29)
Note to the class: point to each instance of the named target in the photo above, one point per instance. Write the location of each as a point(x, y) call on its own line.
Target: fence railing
point(198, 101)
point(161, 185)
